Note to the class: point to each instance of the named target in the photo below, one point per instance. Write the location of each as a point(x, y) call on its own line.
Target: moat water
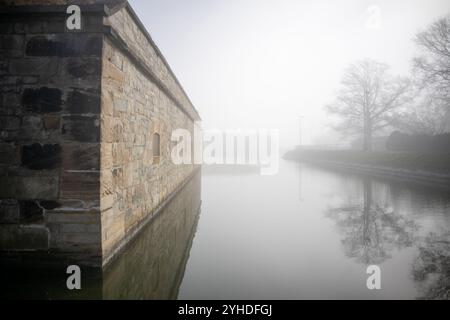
point(305, 233)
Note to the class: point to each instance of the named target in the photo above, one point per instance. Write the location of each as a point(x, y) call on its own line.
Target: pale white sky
point(263, 63)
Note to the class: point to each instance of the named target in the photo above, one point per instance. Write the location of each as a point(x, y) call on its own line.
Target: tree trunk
point(367, 138)
point(367, 131)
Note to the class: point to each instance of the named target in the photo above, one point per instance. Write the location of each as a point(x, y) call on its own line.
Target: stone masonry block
point(80, 185)
point(83, 156)
point(82, 68)
point(28, 188)
point(81, 128)
point(17, 237)
point(11, 46)
point(9, 212)
point(80, 102)
point(31, 212)
point(42, 100)
point(9, 154)
point(41, 157)
point(65, 45)
point(33, 66)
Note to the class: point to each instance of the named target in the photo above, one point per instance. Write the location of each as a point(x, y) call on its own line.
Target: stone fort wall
point(79, 113)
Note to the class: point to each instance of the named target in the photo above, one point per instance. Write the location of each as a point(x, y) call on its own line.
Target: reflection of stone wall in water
point(152, 267)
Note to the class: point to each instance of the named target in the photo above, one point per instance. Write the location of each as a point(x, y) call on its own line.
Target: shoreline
point(439, 179)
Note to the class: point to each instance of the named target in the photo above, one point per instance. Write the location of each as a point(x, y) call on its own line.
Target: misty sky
point(263, 63)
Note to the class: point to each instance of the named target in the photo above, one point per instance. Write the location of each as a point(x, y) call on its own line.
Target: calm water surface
point(306, 233)
point(310, 233)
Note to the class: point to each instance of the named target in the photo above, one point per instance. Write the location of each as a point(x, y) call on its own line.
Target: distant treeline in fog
point(420, 143)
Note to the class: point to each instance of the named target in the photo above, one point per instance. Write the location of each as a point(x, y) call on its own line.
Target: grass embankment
point(433, 163)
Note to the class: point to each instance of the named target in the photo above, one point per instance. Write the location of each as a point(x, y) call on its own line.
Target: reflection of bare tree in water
point(371, 232)
point(431, 269)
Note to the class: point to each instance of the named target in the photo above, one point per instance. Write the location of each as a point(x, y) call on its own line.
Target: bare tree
point(428, 115)
point(369, 99)
point(433, 67)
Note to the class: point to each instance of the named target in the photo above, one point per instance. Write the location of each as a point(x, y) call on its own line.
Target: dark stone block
point(82, 102)
point(33, 66)
point(81, 156)
point(81, 129)
point(31, 212)
point(41, 157)
point(78, 68)
point(9, 211)
point(29, 187)
point(80, 185)
point(9, 154)
point(51, 122)
point(43, 46)
point(11, 45)
point(32, 129)
point(17, 237)
point(50, 205)
point(66, 45)
point(10, 99)
point(42, 100)
point(9, 123)
point(80, 45)
point(6, 27)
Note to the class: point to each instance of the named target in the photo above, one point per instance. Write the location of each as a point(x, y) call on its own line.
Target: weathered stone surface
point(81, 156)
point(120, 105)
point(64, 45)
point(49, 205)
point(37, 128)
point(33, 66)
point(123, 23)
point(51, 122)
point(81, 128)
point(17, 237)
point(10, 99)
point(41, 157)
point(9, 154)
point(78, 216)
point(31, 187)
point(80, 185)
point(42, 100)
point(49, 116)
point(31, 212)
point(106, 156)
point(113, 76)
point(133, 109)
point(10, 123)
point(11, 45)
point(77, 119)
point(82, 68)
point(9, 212)
point(80, 102)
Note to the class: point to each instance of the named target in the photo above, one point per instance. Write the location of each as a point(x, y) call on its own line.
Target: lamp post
point(300, 127)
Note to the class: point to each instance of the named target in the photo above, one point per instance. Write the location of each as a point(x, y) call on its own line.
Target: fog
point(265, 63)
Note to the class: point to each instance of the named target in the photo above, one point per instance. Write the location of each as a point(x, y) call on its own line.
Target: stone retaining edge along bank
point(422, 177)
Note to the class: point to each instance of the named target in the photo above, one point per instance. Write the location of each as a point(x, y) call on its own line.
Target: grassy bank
point(433, 163)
